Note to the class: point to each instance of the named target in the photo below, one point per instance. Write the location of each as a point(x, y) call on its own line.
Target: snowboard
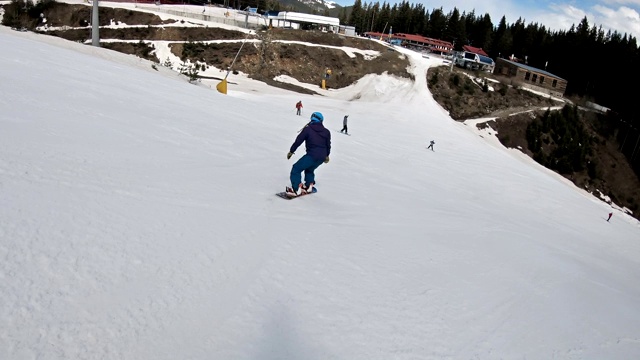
point(286, 196)
point(338, 131)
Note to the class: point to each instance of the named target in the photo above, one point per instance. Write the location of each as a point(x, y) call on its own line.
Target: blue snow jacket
point(317, 140)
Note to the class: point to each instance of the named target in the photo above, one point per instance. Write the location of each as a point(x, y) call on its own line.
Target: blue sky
point(620, 15)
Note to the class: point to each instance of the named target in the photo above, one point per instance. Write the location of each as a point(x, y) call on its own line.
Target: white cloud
point(623, 2)
point(624, 19)
point(562, 16)
point(604, 11)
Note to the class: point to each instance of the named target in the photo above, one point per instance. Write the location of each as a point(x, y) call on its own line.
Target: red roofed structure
point(474, 50)
point(415, 41)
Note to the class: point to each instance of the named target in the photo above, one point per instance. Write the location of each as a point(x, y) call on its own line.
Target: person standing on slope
point(298, 107)
point(344, 125)
point(431, 145)
point(317, 141)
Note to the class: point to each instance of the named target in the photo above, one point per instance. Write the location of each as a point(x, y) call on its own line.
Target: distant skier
point(610, 215)
point(317, 140)
point(431, 145)
point(344, 125)
point(298, 107)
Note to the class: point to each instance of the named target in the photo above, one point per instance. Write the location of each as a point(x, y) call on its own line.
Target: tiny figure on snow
point(298, 107)
point(344, 125)
point(317, 141)
point(431, 145)
point(610, 215)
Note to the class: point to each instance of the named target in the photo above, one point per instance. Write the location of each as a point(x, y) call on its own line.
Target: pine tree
point(357, 17)
point(191, 71)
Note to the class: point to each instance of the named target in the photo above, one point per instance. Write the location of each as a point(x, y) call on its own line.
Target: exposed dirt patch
point(139, 49)
point(266, 60)
point(60, 14)
point(266, 54)
point(149, 33)
point(318, 37)
point(465, 98)
point(512, 129)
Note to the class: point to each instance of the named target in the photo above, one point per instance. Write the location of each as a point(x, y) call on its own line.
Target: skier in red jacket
point(298, 107)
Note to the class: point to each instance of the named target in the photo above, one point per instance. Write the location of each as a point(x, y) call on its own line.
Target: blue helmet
point(316, 117)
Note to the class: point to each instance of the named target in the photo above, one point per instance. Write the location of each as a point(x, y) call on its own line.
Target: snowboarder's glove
point(326, 160)
point(289, 155)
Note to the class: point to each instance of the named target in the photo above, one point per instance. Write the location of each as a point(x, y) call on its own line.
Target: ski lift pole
point(95, 25)
point(222, 86)
point(453, 54)
point(383, 30)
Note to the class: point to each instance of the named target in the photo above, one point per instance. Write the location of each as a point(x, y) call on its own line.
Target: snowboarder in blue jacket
point(317, 141)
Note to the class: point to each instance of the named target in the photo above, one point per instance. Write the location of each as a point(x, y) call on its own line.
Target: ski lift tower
point(95, 25)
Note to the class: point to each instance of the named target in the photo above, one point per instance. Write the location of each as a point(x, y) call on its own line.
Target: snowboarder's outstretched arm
point(299, 140)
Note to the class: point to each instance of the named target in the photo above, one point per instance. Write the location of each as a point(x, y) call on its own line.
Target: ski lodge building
point(532, 78)
point(415, 42)
point(295, 20)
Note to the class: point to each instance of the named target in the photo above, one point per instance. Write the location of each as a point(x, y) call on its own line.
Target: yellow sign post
point(327, 75)
point(222, 86)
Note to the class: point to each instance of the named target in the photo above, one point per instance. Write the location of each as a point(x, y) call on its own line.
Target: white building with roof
point(298, 20)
